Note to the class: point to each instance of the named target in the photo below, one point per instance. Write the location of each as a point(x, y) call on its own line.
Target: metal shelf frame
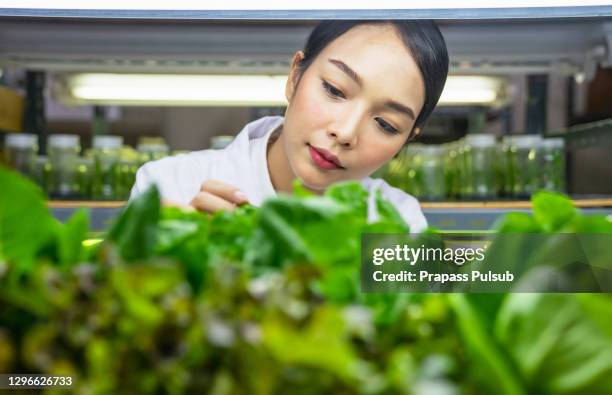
point(308, 14)
point(592, 134)
point(565, 40)
point(446, 219)
point(473, 219)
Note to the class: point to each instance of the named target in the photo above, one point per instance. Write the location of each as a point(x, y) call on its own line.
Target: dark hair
point(423, 39)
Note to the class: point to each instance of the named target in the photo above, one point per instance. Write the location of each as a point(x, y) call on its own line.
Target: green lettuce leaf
point(135, 231)
point(552, 211)
point(25, 222)
point(556, 343)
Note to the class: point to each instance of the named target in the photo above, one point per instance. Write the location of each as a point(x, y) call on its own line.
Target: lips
point(324, 159)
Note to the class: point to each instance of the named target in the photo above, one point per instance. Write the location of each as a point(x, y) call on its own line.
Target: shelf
point(449, 216)
point(474, 219)
point(243, 46)
point(582, 203)
point(592, 134)
point(271, 9)
point(101, 215)
point(478, 216)
point(74, 204)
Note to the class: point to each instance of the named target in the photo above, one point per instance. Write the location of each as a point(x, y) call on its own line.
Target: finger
point(170, 203)
point(206, 201)
point(225, 191)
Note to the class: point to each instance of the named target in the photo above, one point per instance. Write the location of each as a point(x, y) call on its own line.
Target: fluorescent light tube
point(462, 90)
point(233, 90)
point(169, 89)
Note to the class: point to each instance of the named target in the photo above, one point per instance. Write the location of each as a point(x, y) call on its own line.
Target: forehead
point(378, 54)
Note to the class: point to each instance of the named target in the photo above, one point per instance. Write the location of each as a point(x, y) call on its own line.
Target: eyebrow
point(400, 108)
point(344, 67)
point(355, 77)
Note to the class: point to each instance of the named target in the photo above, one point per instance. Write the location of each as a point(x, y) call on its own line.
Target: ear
point(415, 133)
point(294, 75)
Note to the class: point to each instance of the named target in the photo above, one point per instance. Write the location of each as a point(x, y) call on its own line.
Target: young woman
point(356, 94)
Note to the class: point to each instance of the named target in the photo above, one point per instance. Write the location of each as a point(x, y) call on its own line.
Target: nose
point(345, 132)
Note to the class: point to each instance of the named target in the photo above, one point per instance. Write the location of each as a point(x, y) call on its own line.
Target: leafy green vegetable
point(70, 238)
point(389, 215)
point(25, 222)
point(518, 223)
point(304, 345)
point(135, 232)
point(555, 344)
point(556, 241)
point(484, 348)
point(300, 190)
point(182, 302)
point(552, 211)
point(351, 194)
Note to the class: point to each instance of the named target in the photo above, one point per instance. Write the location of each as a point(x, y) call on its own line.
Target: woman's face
point(353, 108)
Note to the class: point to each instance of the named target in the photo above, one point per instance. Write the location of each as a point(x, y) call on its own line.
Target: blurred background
point(526, 106)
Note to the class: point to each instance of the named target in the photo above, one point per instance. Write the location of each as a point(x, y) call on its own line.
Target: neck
point(279, 168)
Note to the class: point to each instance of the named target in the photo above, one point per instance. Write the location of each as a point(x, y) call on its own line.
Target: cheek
point(308, 110)
point(375, 151)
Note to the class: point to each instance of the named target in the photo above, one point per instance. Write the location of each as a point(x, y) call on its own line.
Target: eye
point(333, 91)
point(386, 126)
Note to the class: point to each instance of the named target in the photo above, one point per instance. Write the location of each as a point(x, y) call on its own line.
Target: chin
point(312, 179)
point(314, 183)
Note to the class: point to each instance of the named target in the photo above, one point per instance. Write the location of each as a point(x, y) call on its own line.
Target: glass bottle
point(413, 170)
point(552, 159)
point(452, 172)
point(394, 172)
point(63, 159)
point(128, 164)
point(106, 174)
point(20, 151)
point(432, 168)
point(151, 152)
point(524, 161)
point(508, 151)
point(41, 172)
point(85, 175)
point(479, 166)
point(152, 148)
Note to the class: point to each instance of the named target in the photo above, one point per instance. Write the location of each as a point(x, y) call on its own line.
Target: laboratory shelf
point(451, 216)
point(270, 10)
point(592, 134)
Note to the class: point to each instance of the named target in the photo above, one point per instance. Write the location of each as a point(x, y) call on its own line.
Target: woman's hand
point(216, 195)
point(213, 196)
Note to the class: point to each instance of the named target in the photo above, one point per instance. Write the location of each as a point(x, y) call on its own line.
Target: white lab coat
point(243, 164)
